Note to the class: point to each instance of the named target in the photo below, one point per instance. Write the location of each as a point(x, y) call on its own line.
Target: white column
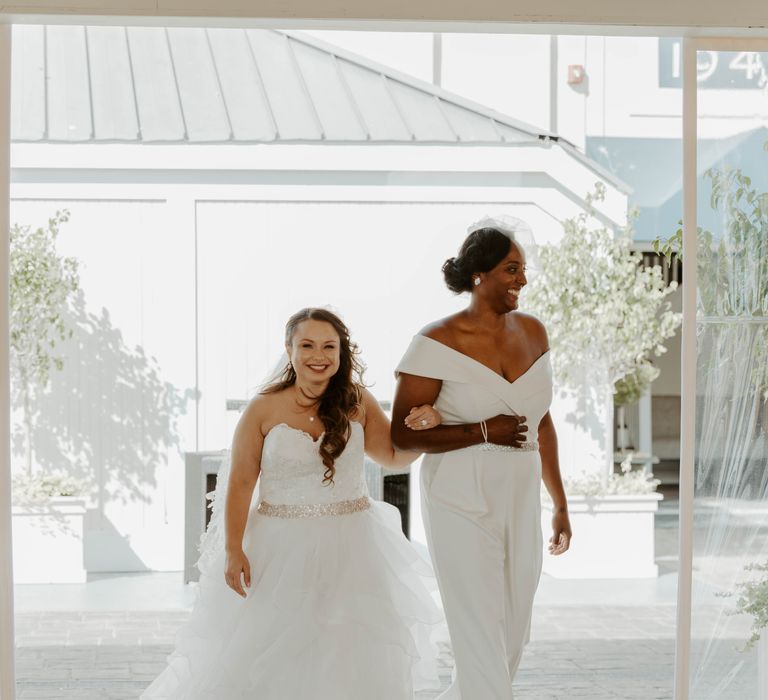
point(554, 84)
point(688, 364)
point(645, 428)
point(437, 59)
point(7, 676)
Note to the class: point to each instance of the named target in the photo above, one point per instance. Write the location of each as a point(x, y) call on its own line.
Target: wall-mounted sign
point(723, 70)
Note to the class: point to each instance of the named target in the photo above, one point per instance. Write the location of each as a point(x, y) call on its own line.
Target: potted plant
point(48, 508)
point(615, 513)
point(606, 315)
point(48, 518)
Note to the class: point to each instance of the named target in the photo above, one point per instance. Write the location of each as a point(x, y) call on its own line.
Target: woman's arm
point(550, 475)
point(415, 391)
point(378, 443)
point(246, 466)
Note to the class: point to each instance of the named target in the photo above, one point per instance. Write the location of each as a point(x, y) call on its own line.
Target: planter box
point(48, 542)
point(613, 537)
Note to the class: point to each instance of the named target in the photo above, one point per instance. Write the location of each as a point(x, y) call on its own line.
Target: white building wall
point(187, 287)
point(109, 416)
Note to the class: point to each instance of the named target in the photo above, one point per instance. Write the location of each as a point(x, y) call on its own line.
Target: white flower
point(604, 312)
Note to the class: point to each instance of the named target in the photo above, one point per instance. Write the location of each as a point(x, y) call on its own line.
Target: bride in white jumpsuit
point(487, 371)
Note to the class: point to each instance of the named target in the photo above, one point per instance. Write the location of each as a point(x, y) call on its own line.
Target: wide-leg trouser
point(482, 514)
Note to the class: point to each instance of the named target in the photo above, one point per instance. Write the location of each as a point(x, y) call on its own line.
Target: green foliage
point(42, 284)
point(605, 312)
point(753, 601)
point(632, 386)
point(733, 267)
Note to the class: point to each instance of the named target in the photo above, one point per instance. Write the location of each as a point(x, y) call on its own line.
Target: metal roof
point(182, 85)
point(78, 84)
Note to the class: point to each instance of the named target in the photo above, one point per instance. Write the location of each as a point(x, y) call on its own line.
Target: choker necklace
point(314, 402)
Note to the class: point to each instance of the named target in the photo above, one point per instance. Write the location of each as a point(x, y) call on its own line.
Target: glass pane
point(731, 480)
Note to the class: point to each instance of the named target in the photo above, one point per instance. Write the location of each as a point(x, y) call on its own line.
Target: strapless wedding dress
point(339, 606)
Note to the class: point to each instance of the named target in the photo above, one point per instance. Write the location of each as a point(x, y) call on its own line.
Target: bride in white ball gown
point(313, 592)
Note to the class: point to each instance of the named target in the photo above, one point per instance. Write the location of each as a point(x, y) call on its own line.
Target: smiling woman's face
point(314, 351)
point(504, 282)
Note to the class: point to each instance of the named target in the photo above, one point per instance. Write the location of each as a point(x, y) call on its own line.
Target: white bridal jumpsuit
point(482, 514)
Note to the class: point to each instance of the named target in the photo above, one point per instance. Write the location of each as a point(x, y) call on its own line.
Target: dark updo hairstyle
point(343, 396)
point(481, 251)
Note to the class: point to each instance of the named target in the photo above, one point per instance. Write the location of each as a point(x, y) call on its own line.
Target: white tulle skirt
point(339, 608)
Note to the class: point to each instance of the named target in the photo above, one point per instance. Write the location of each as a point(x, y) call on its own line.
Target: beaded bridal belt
point(493, 447)
point(308, 510)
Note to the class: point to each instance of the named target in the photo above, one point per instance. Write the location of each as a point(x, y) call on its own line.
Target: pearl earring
point(477, 281)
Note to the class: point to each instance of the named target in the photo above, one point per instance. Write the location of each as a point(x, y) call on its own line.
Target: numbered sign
point(719, 70)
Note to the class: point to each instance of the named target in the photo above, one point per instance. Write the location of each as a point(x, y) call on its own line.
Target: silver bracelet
point(484, 430)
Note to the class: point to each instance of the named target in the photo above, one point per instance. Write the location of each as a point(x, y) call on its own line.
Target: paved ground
point(113, 656)
point(595, 652)
point(601, 640)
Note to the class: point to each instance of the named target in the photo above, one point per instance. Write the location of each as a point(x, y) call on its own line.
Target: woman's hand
point(507, 430)
point(561, 533)
point(236, 571)
point(423, 418)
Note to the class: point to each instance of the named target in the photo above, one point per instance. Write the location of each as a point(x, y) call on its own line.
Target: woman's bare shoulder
point(443, 330)
point(360, 412)
point(259, 409)
point(366, 397)
point(533, 328)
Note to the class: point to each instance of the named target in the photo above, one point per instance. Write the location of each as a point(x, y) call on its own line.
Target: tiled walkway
point(601, 640)
point(578, 652)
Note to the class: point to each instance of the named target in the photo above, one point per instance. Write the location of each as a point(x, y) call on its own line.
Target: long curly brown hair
point(343, 396)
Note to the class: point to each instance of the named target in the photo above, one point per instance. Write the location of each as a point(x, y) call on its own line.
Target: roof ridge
point(419, 84)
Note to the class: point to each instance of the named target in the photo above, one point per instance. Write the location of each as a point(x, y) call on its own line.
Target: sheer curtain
point(731, 510)
point(731, 478)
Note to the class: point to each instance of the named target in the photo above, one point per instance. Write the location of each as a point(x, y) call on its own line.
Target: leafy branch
point(753, 601)
point(43, 285)
point(733, 265)
point(606, 313)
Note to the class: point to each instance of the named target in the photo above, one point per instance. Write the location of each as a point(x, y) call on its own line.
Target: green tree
point(606, 313)
point(733, 265)
point(43, 284)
